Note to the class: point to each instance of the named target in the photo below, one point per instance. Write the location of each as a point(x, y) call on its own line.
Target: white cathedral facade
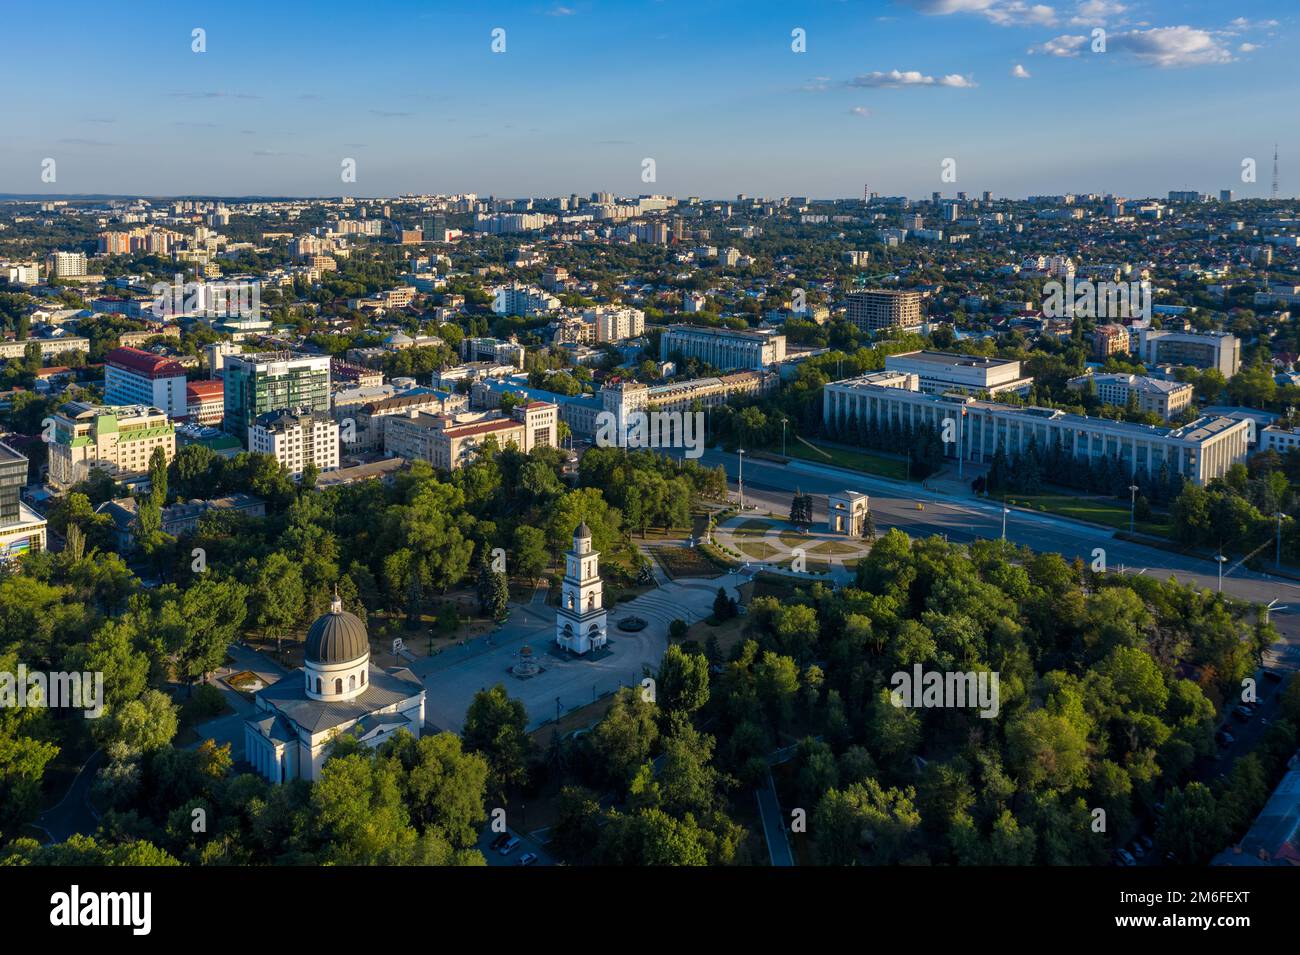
point(580, 623)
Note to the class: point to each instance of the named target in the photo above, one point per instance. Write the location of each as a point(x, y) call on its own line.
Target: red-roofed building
point(135, 377)
point(206, 401)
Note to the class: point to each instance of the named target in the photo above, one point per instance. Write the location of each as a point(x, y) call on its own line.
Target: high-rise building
point(273, 381)
point(876, 309)
point(22, 530)
point(61, 265)
point(135, 377)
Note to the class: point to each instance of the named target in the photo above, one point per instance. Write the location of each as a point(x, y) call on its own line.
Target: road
point(894, 504)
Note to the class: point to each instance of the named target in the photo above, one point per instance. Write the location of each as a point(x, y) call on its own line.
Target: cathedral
point(580, 621)
point(338, 690)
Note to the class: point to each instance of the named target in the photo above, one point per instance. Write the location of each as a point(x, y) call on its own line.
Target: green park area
point(855, 460)
point(1098, 510)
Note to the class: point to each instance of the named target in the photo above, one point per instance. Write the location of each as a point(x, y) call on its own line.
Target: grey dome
point(336, 637)
point(583, 530)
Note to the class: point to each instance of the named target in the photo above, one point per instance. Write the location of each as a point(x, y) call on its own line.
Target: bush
point(205, 703)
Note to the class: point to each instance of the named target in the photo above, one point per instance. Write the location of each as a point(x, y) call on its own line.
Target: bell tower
point(580, 621)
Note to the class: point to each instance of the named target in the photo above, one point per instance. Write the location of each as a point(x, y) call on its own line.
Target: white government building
point(337, 691)
point(1200, 451)
point(580, 623)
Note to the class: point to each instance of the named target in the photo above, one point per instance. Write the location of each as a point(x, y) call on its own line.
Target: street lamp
point(741, 480)
point(783, 421)
point(1278, 559)
point(1220, 559)
point(1005, 511)
point(1132, 505)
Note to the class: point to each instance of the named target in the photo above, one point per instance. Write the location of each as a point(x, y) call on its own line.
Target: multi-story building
point(493, 350)
point(1109, 340)
point(49, 347)
point(614, 323)
point(941, 372)
point(1199, 451)
point(273, 381)
point(724, 348)
point(63, 265)
point(180, 518)
point(115, 243)
point(296, 439)
point(1220, 350)
point(1165, 398)
point(875, 309)
point(368, 421)
point(118, 439)
point(22, 530)
point(448, 444)
point(710, 392)
point(135, 377)
point(526, 300)
point(205, 401)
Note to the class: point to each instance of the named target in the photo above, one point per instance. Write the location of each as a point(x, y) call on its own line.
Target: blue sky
point(710, 89)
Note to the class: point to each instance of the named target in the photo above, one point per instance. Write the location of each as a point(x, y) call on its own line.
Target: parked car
point(500, 840)
point(1146, 842)
point(1135, 849)
point(528, 858)
point(510, 846)
point(1122, 857)
point(1225, 738)
point(1241, 715)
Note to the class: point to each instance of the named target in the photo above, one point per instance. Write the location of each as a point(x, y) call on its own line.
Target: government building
point(337, 691)
point(1199, 451)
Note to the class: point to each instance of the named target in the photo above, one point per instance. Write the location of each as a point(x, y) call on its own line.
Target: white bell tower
point(580, 621)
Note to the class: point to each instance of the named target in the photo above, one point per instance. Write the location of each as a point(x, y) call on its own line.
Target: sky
point(717, 93)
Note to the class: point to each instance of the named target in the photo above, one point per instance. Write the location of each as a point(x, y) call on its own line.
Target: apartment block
point(296, 439)
point(1165, 398)
point(448, 444)
point(876, 309)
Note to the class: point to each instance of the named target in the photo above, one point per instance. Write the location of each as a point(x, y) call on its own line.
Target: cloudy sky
point(769, 98)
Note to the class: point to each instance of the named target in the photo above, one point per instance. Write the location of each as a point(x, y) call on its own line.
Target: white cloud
point(1248, 48)
point(1004, 13)
point(896, 79)
point(1064, 45)
point(1019, 72)
point(861, 111)
point(1172, 46)
point(1095, 13)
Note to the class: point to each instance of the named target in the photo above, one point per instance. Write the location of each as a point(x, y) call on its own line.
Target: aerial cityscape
point(719, 435)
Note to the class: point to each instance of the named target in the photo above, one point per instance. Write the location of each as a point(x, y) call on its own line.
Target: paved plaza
point(572, 681)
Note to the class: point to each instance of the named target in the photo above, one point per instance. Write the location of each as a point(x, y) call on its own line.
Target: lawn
point(1099, 510)
point(855, 460)
point(685, 562)
point(759, 550)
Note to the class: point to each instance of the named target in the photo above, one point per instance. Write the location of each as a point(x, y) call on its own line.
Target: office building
point(22, 530)
point(1109, 340)
point(205, 401)
point(1165, 398)
point(941, 372)
point(724, 348)
point(273, 381)
point(448, 444)
point(1199, 451)
point(1220, 350)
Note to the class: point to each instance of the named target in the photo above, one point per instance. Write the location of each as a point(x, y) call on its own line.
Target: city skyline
point(583, 94)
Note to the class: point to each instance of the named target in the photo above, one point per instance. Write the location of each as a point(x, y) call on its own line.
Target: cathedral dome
point(336, 637)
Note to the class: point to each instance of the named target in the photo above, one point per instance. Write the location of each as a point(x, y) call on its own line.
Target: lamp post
point(1277, 560)
point(1005, 511)
point(1132, 505)
point(1220, 560)
point(783, 421)
point(741, 480)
